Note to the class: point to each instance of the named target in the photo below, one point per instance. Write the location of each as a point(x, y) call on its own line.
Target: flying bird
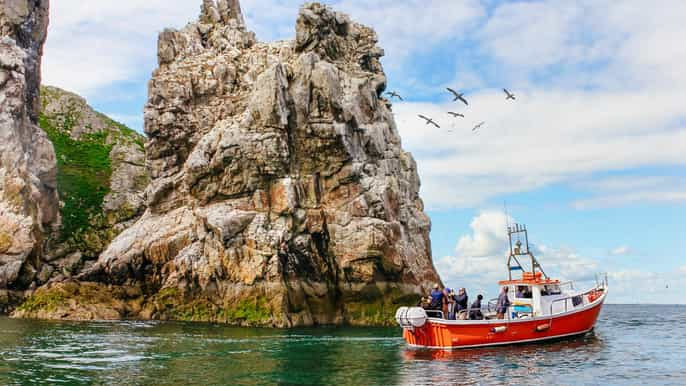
point(457, 96)
point(429, 120)
point(394, 94)
point(477, 127)
point(456, 114)
point(509, 95)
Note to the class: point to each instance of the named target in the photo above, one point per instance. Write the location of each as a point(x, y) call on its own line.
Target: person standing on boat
point(437, 298)
point(475, 309)
point(503, 304)
point(450, 298)
point(461, 301)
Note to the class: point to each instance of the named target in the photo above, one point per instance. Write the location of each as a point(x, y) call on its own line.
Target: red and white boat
point(540, 309)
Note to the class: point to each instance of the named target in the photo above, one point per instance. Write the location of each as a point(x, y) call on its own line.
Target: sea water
point(632, 344)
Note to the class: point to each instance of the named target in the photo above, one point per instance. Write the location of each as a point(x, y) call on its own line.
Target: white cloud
point(618, 191)
point(620, 250)
point(92, 45)
point(683, 268)
point(535, 34)
point(409, 27)
point(487, 236)
point(630, 198)
point(639, 286)
point(479, 260)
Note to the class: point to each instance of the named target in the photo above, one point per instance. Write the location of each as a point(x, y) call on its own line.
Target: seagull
point(457, 96)
point(509, 95)
point(456, 114)
point(394, 94)
point(477, 127)
point(429, 120)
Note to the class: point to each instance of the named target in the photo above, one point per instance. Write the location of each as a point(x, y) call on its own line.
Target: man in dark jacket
point(437, 298)
point(461, 301)
point(475, 309)
point(503, 304)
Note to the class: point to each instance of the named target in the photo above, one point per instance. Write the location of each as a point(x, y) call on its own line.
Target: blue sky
point(591, 155)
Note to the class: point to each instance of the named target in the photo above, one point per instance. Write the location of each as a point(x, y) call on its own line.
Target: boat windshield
point(523, 292)
point(550, 289)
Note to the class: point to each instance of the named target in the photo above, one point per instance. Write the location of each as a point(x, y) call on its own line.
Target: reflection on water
point(520, 364)
point(639, 344)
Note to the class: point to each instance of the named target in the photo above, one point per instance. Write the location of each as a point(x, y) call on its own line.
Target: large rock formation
point(28, 197)
point(101, 177)
point(280, 193)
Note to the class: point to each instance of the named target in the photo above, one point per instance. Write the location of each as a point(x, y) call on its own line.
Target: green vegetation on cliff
point(84, 140)
point(83, 175)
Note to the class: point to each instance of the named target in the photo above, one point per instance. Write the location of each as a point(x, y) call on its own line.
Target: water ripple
point(631, 345)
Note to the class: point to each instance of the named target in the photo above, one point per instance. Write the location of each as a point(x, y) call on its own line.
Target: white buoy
point(410, 317)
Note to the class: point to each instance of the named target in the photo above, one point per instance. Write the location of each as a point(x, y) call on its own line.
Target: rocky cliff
point(101, 177)
point(280, 193)
point(28, 196)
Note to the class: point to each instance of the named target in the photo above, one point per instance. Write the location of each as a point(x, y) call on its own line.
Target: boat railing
point(569, 284)
point(434, 314)
point(582, 298)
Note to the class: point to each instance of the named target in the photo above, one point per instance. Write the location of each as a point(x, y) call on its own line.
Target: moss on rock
point(72, 300)
point(170, 303)
point(379, 310)
point(42, 301)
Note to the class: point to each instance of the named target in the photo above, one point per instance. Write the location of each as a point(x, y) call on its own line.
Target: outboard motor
point(410, 317)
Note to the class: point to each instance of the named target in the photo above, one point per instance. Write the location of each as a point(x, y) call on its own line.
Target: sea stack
point(28, 197)
point(279, 192)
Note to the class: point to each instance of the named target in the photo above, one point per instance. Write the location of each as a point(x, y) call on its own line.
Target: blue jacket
point(437, 298)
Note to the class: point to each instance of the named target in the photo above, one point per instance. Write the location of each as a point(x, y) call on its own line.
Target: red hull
point(449, 334)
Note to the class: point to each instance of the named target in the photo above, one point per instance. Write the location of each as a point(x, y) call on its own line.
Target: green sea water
point(631, 345)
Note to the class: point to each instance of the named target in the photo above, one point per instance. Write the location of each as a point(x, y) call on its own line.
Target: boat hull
point(451, 334)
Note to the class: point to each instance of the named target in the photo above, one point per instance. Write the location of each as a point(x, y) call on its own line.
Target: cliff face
point(28, 197)
point(279, 194)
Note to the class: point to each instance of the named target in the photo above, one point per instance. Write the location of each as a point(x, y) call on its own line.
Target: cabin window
point(550, 289)
point(523, 292)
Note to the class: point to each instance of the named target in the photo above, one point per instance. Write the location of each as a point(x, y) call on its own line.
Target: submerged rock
point(279, 193)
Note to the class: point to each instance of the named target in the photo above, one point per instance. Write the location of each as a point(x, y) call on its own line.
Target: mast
point(515, 234)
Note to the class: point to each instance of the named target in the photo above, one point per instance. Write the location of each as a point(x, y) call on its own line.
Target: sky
point(591, 155)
